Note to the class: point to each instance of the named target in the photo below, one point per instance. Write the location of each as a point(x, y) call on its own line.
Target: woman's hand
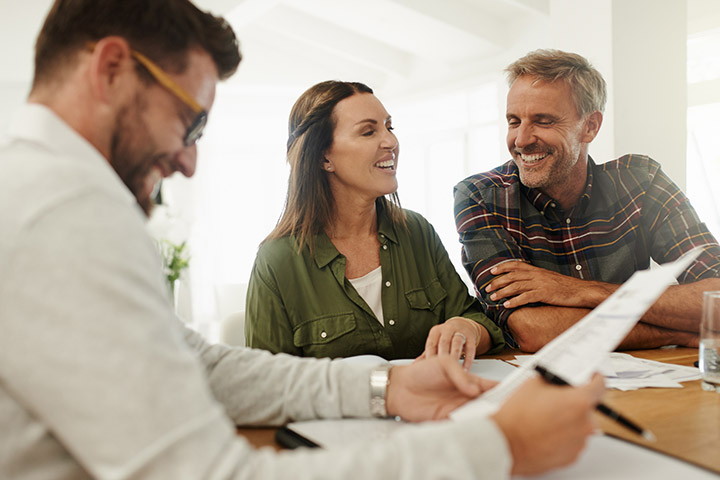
point(456, 337)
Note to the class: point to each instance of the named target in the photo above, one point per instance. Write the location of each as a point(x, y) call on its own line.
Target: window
point(703, 147)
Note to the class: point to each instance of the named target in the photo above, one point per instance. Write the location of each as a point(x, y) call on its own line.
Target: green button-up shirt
point(302, 304)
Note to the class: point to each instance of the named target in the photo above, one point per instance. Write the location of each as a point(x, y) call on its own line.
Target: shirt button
point(387, 284)
point(552, 205)
point(578, 267)
point(391, 322)
point(567, 221)
point(323, 334)
point(384, 247)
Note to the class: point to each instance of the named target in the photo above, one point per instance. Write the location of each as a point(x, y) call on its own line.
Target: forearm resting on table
point(680, 307)
point(534, 327)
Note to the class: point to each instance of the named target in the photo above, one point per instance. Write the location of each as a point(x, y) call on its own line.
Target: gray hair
point(588, 86)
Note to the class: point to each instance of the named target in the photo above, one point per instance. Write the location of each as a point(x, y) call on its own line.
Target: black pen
point(600, 407)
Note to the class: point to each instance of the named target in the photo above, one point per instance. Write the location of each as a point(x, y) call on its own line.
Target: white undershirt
point(369, 287)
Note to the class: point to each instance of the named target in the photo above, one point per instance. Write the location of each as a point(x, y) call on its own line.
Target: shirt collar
point(386, 229)
point(37, 124)
point(324, 250)
point(538, 199)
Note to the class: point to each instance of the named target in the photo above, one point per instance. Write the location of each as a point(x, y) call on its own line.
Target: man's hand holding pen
point(547, 426)
point(601, 407)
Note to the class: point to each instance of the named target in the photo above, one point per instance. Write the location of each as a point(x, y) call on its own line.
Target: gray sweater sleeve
point(291, 388)
point(258, 388)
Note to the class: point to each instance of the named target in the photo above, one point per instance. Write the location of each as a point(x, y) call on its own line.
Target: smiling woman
point(363, 154)
point(347, 271)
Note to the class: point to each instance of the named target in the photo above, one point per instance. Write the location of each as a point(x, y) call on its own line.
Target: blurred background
point(437, 67)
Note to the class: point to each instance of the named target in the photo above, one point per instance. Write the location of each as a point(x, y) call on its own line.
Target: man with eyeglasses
point(98, 379)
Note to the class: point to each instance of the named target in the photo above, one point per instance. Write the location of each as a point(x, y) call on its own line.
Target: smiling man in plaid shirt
point(550, 234)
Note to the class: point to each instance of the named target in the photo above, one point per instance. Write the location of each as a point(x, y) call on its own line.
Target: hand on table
point(456, 337)
point(431, 388)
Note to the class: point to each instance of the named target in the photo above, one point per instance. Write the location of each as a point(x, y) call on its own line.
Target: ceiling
point(388, 42)
point(393, 45)
point(385, 43)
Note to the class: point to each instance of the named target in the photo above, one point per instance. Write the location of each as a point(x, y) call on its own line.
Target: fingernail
point(493, 296)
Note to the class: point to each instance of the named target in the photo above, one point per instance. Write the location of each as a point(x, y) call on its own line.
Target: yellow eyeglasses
point(195, 130)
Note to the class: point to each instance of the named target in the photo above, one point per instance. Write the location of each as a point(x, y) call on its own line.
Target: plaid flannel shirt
point(629, 212)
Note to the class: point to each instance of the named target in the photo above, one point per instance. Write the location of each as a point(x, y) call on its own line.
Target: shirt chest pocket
point(323, 330)
point(427, 298)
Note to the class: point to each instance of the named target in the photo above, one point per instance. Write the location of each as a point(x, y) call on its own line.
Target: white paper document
point(608, 458)
point(579, 351)
point(341, 432)
point(485, 367)
point(603, 458)
point(625, 372)
point(632, 373)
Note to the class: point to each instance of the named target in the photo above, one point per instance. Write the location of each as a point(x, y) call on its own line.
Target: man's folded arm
point(485, 244)
point(534, 327)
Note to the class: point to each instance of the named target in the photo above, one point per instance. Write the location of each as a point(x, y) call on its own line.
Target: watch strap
point(379, 381)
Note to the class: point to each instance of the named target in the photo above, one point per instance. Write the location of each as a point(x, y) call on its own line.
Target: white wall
point(586, 28)
point(649, 79)
point(639, 47)
point(19, 25)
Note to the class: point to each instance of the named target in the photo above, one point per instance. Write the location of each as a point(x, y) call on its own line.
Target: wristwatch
point(379, 381)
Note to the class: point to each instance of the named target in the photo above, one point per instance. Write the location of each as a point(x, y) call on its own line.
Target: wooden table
point(686, 421)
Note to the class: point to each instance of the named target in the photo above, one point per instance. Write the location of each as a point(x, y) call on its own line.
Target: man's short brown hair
point(163, 30)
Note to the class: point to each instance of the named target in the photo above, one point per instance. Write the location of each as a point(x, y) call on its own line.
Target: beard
point(133, 154)
point(553, 174)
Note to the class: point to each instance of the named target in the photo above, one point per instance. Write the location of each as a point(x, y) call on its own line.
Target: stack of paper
point(625, 372)
point(631, 373)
